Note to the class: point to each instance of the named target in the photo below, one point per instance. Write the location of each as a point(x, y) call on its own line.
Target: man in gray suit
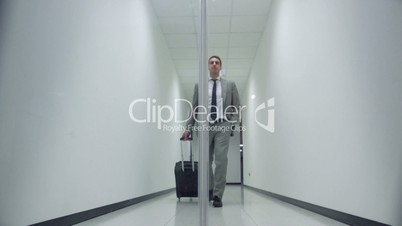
point(223, 112)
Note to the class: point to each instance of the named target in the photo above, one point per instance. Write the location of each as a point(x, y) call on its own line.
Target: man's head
point(214, 66)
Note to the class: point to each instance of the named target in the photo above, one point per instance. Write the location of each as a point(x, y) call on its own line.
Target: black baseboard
point(233, 183)
point(89, 214)
point(330, 213)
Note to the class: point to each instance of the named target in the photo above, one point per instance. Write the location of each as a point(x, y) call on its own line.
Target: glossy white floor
point(241, 207)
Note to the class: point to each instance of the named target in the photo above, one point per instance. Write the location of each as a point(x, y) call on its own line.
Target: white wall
point(68, 73)
point(234, 168)
point(335, 70)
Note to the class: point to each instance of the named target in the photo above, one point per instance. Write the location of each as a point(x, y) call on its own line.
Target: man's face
point(214, 65)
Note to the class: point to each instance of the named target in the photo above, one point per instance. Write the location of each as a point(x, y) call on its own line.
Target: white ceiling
point(234, 32)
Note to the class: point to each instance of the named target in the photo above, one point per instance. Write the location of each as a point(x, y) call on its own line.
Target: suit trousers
point(219, 136)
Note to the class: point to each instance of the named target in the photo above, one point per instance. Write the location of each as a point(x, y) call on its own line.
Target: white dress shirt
point(219, 103)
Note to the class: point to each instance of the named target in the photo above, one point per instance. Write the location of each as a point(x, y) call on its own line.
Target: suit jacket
point(230, 98)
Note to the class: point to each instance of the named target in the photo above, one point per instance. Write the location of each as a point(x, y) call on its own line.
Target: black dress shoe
point(211, 195)
point(217, 202)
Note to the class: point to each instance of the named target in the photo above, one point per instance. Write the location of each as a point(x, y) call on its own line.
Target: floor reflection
point(241, 207)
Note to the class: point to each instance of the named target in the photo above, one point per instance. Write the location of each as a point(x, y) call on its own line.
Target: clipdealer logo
point(269, 106)
point(162, 115)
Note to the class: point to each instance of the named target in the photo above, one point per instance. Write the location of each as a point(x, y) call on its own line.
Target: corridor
point(95, 95)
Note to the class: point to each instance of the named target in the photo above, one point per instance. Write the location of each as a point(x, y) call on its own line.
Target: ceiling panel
point(177, 25)
point(215, 24)
point(174, 7)
point(186, 64)
point(239, 63)
point(219, 7)
point(181, 40)
point(251, 7)
point(234, 29)
point(218, 24)
point(248, 23)
point(221, 52)
point(244, 39)
point(218, 40)
point(184, 53)
point(237, 73)
point(242, 52)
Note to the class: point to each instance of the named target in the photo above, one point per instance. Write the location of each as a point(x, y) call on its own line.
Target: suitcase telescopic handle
point(191, 153)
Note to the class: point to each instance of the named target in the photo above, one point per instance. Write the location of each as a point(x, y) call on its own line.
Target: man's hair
point(220, 61)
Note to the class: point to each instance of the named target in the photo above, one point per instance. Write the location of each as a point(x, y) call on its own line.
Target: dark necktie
point(213, 103)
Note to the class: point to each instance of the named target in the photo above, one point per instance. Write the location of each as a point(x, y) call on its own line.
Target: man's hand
point(186, 135)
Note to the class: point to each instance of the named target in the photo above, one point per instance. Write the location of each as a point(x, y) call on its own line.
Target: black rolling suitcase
point(186, 174)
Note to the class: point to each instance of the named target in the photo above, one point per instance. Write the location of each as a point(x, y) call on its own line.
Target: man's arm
point(235, 102)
